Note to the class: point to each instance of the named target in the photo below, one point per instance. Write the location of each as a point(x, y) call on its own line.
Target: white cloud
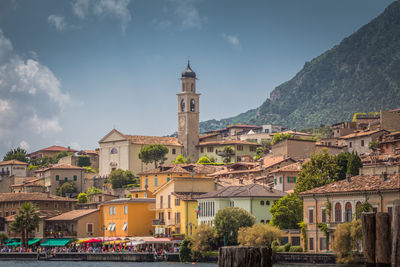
point(25, 145)
point(58, 22)
point(31, 102)
point(232, 39)
point(104, 8)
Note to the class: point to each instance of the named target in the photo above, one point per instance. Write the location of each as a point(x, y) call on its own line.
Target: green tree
point(3, 238)
point(347, 236)
point(204, 239)
point(66, 188)
point(93, 191)
point(185, 254)
point(228, 150)
point(25, 222)
point(204, 160)
point(16, 154)
point(82, 198)
point(119, 178)
point(342, 160)
point(279, 137)
point(153, 153)
point(287, 212)
point(59, 155)
point(181, 160)
point(84, 161)
point(258, 235)
point(354, 164)
point(322, 169)
point(229, 220)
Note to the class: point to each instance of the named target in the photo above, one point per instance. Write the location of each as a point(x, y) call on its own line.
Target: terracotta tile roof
point(250, 190)
point(85, 152)
point(151, 140)
point(72, 215)
point(225, 182)
point(12, 162)
point(361, 133)
point(357, 184)
point(43, 214)
point(228, 142)
point(10, 197)
point(296, 133)
point(130, 200)
point(205, 136)
point(271, 161)
point(183, 169)
point(60, 167)
point(257, 169)
point(289, 168)
point(55, 149)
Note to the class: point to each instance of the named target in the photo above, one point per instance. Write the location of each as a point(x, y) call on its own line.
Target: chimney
point(384, 176)
point(348, 177)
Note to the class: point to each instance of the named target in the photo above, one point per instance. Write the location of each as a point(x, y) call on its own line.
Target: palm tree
point(25, 222)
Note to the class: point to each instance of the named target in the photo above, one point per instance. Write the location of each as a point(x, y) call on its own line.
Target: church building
point(121, 151)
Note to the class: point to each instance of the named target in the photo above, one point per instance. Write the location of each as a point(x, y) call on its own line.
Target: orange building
point(127, 217)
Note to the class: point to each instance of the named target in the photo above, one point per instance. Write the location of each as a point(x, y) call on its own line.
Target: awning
point(55, 242)
point(18, 243)
point(11, 240)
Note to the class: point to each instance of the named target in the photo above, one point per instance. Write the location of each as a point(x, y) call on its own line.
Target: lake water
point(121, 264)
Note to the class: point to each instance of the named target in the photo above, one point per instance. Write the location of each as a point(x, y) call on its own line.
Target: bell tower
point(188, 115)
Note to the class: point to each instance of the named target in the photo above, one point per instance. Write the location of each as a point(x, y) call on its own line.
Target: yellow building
point(121, 151)
point(127, 217)
point(176, 206)
point(152, 179)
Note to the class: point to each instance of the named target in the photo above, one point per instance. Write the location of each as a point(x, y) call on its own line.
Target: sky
point(71, 71)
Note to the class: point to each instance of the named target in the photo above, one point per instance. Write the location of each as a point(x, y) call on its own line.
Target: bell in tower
point(188, 114)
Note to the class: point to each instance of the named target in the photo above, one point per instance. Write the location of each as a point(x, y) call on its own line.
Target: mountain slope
point(360, 74)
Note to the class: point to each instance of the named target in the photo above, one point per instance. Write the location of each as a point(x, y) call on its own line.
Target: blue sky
point(70, 71)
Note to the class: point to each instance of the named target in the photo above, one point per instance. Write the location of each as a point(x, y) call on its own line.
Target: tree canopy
point(119, 178)
point(320, 170)
point(82, 198)
point(204, 160)
point(25, 222)
point(93, 191)
point(258, 235)
point(203, 239)
point(228, 221)
point(153, 153)
point(181, 160)
point(84, 161)
point(16, 154)
point(279, 137)
point(66, 188)
point(287, 212)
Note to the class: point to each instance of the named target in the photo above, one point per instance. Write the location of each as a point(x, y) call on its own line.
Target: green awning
point(18, 243)
point(55, 242)
point(11, 240)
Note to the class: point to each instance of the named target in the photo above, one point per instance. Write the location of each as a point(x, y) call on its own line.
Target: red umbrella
point(93, 240)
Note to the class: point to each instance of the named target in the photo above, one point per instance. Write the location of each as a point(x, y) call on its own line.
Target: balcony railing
point(157, 222)
point(59, 234)
point(4, 173)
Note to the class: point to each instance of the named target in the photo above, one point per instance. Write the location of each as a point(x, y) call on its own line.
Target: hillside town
point(150, 192)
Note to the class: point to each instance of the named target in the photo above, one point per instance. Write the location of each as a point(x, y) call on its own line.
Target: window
point(311, 243)
point(294, 179)
point(210, 149)
point(161, 202)
point(310, 215)
point(155, 181)
point(169, 215)
point(358, 206)
point(75, 177)
point(113, 227)
point(201, 149)
point(253, 148)
point(280, 180)
point(146, 181)
point(183, 105)
point(323, 244)
point(288, 179)
point(284, 240)
point(274, 180)
point(192, 105)
point(89, 227)
point(347, 212)
point(295, 241)
point(338, 212)
point(173, 151)
point(57, 177)
point(323, 215)
point(125, 226)
point(262, 221)
point(375, 209)
point(231, 203)
point(177, 218)
point(350, 144)
point(177, 202)
point(169, 201)
point(125, 209)
point(390, 211)
point(66, 179)
point(168, 179)
point(239, 147)
point(362, 142)
point(267, 203)
point(136, 195)
point(262, 202)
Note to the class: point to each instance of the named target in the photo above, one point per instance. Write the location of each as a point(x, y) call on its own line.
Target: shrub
point(347, 235)
point(84, 161)
point(204, 239)
point(82, 198)
point(184, 251)
point(296, 249)
point(258, 235)
point(287, 247)
point(204, 160)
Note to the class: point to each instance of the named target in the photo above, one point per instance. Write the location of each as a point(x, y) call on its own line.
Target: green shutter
point(294, 179)
point(280, 180)
point(288, 179)
point(57, 177)
point(275, 180)
point(75, 178)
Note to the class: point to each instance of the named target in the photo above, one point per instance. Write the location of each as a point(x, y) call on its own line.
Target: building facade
point(242, 150)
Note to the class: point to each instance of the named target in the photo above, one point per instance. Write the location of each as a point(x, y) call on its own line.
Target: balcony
point(157, 222)
point(4, 173)
point(61, 234)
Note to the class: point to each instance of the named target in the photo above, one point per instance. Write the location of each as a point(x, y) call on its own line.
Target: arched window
point(192, 87)
point(183, 105)
point(262, 202)
point(338, 212)
point(192, 105)
point(347, 212)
